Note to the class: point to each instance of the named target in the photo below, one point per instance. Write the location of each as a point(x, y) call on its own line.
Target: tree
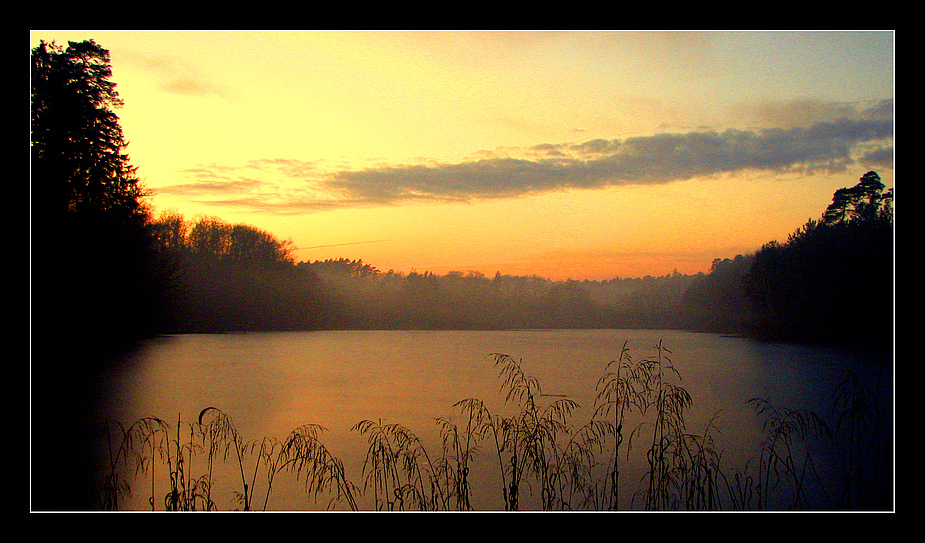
point(716, 301)
point(233, 277)
point(242, 244)
point(831, 281)
point(96, 280)
point(78, 159)
point(863, 202)
point(87, 210)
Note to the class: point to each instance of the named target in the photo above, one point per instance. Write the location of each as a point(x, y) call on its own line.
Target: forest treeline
point(103, 263)
point(234, 277)
point(830, 281)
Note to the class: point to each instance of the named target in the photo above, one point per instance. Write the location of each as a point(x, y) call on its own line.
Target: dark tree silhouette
point(96, 280)
point(831, 281)
point(864, 203)
point(96, 271)
point(234, 277)
point(716, 301)
point(210, 237)
point(78, 159)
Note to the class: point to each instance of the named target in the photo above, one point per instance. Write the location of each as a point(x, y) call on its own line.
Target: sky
point(563, 154)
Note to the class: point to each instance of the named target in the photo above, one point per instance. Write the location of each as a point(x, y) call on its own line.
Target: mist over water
point(271, 383)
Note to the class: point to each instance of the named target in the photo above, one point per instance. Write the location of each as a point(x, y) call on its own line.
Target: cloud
point(831, 145)
point(248, 187)
point(828, 146)
point(881, 157)
point(176, 77)
point(212, 185)
point(800, 112)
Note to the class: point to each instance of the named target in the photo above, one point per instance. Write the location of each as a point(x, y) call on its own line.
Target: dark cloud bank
point(834, 146)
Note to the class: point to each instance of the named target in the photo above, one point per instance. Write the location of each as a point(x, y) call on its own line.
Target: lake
point(272, 383)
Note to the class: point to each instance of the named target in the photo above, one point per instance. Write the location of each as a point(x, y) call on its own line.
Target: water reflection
point(271, 383)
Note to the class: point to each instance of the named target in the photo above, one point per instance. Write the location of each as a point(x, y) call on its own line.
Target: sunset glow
point(583, 155)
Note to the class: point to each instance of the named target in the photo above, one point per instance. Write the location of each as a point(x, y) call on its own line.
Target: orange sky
point(562, 154)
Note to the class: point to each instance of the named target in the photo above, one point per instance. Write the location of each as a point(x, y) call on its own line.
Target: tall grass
point(784, 459)
point(861, 420)
point(536, 454)
point(398, 469)
point(135, 447)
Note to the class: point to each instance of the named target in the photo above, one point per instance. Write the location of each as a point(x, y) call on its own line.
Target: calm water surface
point(271, 383)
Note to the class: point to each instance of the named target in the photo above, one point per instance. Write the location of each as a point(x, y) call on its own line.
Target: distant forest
point(115, 270)
point(830, 281)
point(228, 277)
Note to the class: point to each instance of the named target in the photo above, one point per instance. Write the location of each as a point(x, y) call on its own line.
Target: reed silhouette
point(537, 455)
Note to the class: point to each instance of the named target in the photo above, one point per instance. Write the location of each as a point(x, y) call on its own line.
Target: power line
point(342, 244)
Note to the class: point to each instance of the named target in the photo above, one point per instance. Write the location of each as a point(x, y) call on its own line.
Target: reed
point(301, 453)
point(398, 469)
point(683, 468)
point(304, 454)
point(620, 390)
point(785, 460)
point(128, 447)
point(860, 421)
point(529, 438)
point(580, 462)
point(221, 435)
point(698, 465)
point(186, 493)
point(460, 448)
point(537, 448)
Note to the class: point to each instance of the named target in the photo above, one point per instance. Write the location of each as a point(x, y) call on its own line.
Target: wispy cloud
point(176, 77)
point(827, 144)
